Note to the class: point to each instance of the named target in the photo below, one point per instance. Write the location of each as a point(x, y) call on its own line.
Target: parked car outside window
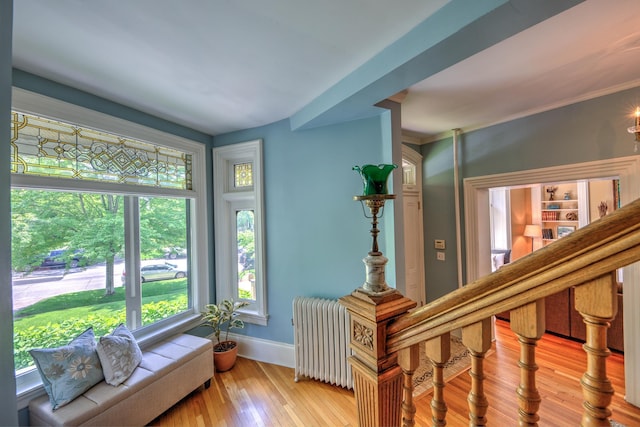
point(166, 271)
point(174, 252)
point(61, 258)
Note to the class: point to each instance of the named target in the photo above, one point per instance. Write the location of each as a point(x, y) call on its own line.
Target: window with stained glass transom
point(239, 224)
point(45, 147)
point(96, 212)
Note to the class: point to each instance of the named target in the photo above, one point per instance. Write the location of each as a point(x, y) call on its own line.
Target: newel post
point(377, 376)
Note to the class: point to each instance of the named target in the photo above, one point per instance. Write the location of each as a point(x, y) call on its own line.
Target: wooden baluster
point(409, 360)
point(528, 324)
point(438, 350)
point(377, 376)
point(477, 338)
point(598, 304)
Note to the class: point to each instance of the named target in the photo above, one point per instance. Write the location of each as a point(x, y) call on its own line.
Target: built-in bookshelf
point(559, 211)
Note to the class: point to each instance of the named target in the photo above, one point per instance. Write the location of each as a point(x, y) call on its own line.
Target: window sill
point(254, 318)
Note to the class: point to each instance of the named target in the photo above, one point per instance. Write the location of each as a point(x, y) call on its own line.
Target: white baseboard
point(263, 350)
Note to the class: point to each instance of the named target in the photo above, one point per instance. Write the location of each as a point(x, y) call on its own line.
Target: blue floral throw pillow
point(119, 355)
point(69, 371)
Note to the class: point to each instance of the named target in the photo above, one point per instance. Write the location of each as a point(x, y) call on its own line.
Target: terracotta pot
point(224, 360)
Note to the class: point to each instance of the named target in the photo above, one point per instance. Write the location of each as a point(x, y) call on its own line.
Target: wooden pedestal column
point(528, 324)
point(438, 350)
point(477, 338)
point(377, 375)
point(597, 302)
point(409, 361)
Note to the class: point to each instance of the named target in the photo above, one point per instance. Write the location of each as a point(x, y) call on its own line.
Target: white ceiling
point(218, 66)
point(590, 50)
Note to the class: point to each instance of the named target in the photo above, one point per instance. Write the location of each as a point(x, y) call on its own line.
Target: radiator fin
point(321, 340)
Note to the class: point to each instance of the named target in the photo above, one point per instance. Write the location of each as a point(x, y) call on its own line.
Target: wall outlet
point(440, 256)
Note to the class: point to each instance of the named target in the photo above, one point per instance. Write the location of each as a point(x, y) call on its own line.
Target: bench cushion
point(169, 370)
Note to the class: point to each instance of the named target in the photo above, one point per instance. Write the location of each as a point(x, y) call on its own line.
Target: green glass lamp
point(375, 194)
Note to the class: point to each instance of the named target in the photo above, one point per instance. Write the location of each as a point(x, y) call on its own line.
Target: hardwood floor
point(261, 394)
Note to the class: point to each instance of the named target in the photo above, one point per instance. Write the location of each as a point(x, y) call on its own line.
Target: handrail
point(604, 245)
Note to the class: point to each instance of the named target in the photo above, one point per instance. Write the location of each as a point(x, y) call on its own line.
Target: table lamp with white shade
point(532, 231)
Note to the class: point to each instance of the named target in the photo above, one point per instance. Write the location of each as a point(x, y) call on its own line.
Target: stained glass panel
point(243, 175)
point(45, 147)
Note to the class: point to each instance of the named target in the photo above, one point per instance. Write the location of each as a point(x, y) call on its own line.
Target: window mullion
point(132, 262)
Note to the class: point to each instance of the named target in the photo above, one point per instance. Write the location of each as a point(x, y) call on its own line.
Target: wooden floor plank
point(261, 394)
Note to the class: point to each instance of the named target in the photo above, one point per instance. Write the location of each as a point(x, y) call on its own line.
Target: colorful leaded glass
point(243, 175)
point(45, 147)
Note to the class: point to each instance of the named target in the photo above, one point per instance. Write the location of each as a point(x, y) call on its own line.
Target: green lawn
point(56, 320)
point(78, 304)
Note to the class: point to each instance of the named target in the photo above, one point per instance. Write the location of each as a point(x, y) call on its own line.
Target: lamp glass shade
point(532, 230)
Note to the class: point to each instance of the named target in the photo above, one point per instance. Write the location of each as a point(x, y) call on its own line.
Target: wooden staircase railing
point(386, 333)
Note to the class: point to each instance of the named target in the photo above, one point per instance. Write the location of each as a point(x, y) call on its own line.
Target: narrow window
point(408, 173)
point(239, 220)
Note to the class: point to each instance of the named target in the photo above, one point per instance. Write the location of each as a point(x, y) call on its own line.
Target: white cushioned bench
point(170, 370)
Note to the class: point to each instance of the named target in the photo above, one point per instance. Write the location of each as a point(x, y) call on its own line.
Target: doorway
point(413, 225)
point(527, 218)
point(476, 200)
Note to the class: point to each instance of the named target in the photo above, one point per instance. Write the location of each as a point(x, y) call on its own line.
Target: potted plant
point(221, 317)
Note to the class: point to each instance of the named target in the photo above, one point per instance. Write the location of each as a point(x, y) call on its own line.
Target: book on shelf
point(550, 216)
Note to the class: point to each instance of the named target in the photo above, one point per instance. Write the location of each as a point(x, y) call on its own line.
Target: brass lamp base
point(375, 283)
point(375, 203)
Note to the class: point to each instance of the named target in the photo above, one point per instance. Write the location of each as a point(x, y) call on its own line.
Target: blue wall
point(316, 235)
point(586, 131)
point(439, 217)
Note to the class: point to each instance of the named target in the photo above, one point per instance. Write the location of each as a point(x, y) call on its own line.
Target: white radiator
point(321, 340)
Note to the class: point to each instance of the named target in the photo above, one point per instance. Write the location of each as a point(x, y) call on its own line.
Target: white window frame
point(226, 201)
point(28, 383)
point(500, 200)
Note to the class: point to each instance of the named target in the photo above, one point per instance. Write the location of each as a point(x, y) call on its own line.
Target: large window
point(105, 228)
point(240, 273)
